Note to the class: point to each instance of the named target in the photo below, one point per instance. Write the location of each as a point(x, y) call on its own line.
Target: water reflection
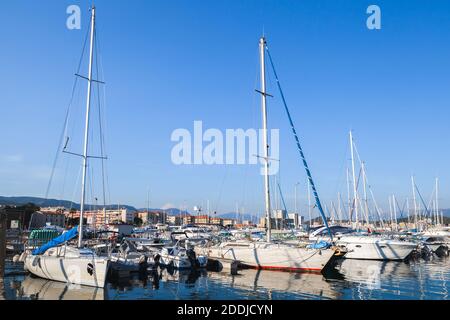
point(270, 283)
point(2, 289)
point(40, 289)
point(349, 279)
point(366, 279)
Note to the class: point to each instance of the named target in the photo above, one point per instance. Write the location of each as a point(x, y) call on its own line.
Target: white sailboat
point(265, 254)
point(59, 261)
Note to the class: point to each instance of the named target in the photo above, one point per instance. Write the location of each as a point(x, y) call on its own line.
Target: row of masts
point(359, 213)
point(358, 208)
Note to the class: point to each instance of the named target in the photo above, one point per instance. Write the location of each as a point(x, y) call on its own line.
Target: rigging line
point(72, 200)
point(340, 182)
point(282, 198)
point(357, 194)
point(305, 164)
point(100, 120)
point(343, 206)
point(64, 130)
point(105, 123)
point(423, 201)
point(398, 207)
point(221, 189)
point(61, 196)
point(369, 187)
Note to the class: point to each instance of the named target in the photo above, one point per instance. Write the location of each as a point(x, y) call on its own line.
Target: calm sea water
point(349, 279)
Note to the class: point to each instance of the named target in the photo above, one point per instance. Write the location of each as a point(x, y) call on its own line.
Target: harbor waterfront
point(161, 155)
point(348, 280)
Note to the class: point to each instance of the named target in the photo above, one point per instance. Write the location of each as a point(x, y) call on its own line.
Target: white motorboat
point(437, 244)
point(181, 258)
point(196, 233)
point(365, 246)
point(375, 248)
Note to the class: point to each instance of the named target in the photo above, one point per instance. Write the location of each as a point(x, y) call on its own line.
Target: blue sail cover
point(319, 245)
point(72, 233)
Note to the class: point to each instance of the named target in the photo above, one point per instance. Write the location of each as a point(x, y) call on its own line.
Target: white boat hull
point(176, 262)
point(87, 271)
point(261, 255)
point(375, 249)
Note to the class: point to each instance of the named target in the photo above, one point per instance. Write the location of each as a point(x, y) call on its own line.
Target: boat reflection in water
point(2, 289)
point(41, 289)
point(275, 285)
point(349, 279)
point(366, 279)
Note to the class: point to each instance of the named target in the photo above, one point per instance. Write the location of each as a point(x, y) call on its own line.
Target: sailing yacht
point(61, 262)
point(266, 254)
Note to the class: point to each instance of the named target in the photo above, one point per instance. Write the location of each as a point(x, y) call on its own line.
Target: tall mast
point(86, 131)
point(262, 45)
point(407, 210)
point(355, 195)
point(390, 213)
point(394, 203)
point(348, 196)
point(366, 205)
point(437, 202)
point(339, 207)
point(309, 204)
point(414, 200)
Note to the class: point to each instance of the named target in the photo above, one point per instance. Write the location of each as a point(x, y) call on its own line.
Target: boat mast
point(414, 200)
point(349, 203)
point(339, 207)
point(309, 204)
point(366, 205)
point(355, 195)
point(86, 132)
point(394, 204)
point(262, 45)
point(437, 203)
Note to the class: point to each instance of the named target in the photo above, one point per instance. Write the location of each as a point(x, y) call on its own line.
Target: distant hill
point(41, 202)
point(233, 215)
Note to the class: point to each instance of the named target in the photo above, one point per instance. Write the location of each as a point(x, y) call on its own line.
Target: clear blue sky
point(168, 63)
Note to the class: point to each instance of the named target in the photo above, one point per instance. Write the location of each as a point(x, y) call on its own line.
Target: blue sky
point(168, 63)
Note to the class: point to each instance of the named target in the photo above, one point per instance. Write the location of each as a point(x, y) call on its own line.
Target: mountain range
point(42, 202)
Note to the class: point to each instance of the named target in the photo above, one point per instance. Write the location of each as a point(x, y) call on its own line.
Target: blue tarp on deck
point(72, 233)
point(319, 245)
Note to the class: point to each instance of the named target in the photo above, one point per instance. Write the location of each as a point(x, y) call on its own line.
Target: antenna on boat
point(86, 132)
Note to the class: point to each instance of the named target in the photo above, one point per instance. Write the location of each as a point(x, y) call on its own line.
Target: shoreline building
point(97, 218)
point(152, 217)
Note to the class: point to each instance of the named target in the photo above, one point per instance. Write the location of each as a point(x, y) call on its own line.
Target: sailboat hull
point(88, 271)
point(273, 256)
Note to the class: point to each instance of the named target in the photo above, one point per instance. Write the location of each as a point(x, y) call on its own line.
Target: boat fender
point(16, 258)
